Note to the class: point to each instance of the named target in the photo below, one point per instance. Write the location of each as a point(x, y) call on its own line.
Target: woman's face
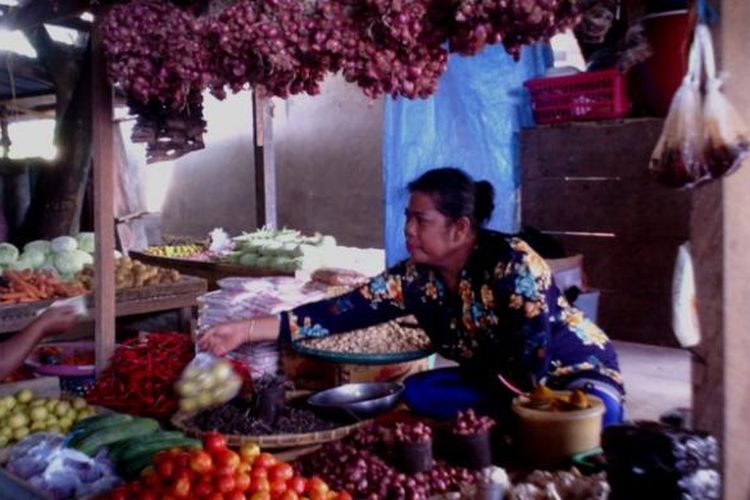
point(430, 236)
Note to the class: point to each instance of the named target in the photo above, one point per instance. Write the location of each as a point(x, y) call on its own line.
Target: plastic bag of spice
point(726, 140)
point(677, 160)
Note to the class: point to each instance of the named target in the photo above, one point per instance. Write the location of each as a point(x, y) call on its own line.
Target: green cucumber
point(89, 426)
point(153, 447)
point(110, 435)
point(117, 449)
point(131, 468)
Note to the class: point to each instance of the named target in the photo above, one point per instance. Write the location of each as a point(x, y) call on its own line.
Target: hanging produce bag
point(677, 160)
point(726, 140)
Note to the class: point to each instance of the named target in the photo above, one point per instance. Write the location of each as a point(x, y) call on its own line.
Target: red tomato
point(181, 488)
point(225, 484)
point(235, 495)
point(152, 481)
point(259, 473)
point(216, 496)
point(134, 488)
point(203, 489)
point(296, 484)
point(317, 484)
point(148, 495)
point(317, 495)
point(259, 484)
point(164, 466)
point(182, 460)
point(280, 472)
point(213, 441)
point(200, 461)
point(265, 460)
point(289, 495)
point(226, 457)
point(241, 481)
point(278, 488)
point(249, 451)
point(261, 495)
point(343, 496)
point(167, 496)
point(119, 493)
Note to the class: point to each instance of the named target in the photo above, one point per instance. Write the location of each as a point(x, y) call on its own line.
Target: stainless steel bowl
point(362, 400)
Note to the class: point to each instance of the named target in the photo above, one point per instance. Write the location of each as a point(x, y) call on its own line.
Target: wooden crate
point(129, 302)
point(588, 185)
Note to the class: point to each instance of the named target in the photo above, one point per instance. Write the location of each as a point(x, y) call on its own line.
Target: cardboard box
point(314, 374)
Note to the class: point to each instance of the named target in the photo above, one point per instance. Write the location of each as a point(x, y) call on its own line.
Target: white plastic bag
point(677, 160)
point(206, 382)
point(685, 322)
point(726, 140)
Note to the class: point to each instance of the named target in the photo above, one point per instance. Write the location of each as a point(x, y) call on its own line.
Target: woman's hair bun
point(484, 202)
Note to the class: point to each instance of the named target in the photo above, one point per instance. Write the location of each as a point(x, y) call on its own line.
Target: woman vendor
point(487, 301)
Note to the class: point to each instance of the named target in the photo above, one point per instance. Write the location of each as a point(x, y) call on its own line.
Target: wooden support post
point(265, 165)
point(720, 238)
point(104, 218)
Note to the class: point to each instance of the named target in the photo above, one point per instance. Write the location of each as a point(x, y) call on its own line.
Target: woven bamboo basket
point(182, 421)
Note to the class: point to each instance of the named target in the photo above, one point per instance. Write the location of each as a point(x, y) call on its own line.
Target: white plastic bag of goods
point(685, 323)
point(472, 123)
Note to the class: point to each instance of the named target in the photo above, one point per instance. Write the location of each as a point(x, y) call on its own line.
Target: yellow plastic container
point(548, 438)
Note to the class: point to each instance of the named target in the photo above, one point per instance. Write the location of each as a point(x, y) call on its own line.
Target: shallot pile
point(352, 465)
point(468, 423)
point(161, 54)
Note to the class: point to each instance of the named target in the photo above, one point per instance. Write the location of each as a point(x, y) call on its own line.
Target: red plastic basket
point(585, 96)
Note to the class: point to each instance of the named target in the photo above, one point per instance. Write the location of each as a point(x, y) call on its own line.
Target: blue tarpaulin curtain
point(473, 123)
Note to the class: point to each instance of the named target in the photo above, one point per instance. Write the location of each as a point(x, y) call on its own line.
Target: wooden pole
point(720, 238)
point(265, 165)
point(104, 188)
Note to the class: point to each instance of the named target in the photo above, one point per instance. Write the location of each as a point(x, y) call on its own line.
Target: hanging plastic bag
point(726, 140)
point(677, 160)
point(206, 382)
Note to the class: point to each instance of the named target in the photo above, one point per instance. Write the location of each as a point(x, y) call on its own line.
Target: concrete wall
point(215, 186)
point(328, 169)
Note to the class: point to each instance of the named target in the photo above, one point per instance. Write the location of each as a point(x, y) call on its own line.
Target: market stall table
point(181, 295)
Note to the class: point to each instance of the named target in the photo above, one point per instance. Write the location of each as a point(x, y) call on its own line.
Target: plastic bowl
point(364, 400)
point(552, 438)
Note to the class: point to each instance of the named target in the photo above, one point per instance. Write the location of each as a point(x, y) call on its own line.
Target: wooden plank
point(265, 164)
point(644, 317)
point(611, 149)
point(625, 207)
point(627, 264)
point(104, 189)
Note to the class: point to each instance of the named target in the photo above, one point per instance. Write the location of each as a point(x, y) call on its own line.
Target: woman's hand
point(226, 337)
point(55, 320)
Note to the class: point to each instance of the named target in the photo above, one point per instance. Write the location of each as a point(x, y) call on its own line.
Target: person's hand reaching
point(56, 320)
point(226, 337)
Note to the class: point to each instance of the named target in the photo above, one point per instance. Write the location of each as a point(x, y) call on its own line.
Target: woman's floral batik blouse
point(507, 315)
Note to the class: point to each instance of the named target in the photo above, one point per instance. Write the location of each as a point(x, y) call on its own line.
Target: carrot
point(12, 296)
point(23, 285)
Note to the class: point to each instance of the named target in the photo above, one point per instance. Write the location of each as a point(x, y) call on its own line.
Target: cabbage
point(20, 265)
point(86, 242)
point(64, 244)
point(34, 257)
point(40, 245)
point(249, 259)
point(8, 253)
point(264, 262)
point(271, 248)
point(72, 262)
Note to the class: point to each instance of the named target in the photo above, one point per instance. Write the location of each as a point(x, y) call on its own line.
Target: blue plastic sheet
point(472, 123)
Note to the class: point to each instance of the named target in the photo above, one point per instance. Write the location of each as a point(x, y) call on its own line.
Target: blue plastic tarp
point(473, 123)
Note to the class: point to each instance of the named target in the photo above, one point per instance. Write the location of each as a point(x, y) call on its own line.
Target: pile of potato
point(23, 414)
point(132, 273)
